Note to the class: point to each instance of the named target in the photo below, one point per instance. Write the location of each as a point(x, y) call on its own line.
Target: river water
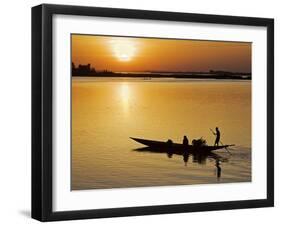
point(107, 111)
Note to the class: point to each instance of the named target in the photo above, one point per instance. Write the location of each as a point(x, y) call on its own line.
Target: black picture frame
point(42, 111)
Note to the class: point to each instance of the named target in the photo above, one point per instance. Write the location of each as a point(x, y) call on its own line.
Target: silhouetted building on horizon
point(83, 70)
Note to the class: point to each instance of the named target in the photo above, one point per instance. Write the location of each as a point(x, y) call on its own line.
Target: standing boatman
point(218, 136)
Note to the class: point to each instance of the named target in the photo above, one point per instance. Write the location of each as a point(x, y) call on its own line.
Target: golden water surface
point(107, 111)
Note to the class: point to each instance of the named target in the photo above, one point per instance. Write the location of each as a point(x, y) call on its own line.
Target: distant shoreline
point(169, 75)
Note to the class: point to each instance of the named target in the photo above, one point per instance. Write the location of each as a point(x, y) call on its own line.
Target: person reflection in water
point(170, 148)
point(185, 158)
point(218, 169)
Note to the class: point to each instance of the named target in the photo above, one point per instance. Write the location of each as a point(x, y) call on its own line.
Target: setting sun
point(123, 49)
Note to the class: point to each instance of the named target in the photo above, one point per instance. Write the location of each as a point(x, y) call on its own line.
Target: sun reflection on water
point(125, 96)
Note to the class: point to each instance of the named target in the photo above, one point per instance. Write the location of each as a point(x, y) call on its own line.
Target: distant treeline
point(88, 71)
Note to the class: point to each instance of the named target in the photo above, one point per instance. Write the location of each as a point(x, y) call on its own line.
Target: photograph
point(152, 111)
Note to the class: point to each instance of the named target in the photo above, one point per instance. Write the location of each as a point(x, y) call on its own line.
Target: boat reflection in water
point(195, 154)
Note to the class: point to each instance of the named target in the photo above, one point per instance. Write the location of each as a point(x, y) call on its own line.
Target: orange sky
point(151, 54)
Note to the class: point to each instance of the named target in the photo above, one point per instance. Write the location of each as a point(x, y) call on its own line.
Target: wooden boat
point(161, 146)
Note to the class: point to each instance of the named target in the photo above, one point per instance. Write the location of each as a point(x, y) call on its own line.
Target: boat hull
point(161, 146)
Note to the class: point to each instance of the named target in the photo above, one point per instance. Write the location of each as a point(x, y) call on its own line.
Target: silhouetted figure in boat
point(218, 136)
point(170, 148)
point(170, 143)
point(185, 143)
point(218, 169)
